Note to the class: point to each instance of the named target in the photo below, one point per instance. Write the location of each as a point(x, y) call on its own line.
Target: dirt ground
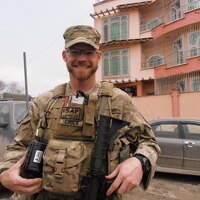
point(169, 187)
point(166, 187)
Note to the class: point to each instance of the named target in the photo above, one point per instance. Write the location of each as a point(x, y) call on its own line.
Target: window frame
point(109, 57)
point(110, 23)
point(194, 43)
point(161, 60)
point(178, 54)
point(177, 136)
point(192, 136)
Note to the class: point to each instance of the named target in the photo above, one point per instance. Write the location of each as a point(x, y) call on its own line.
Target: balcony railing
point(192, 52)
point(150, 26)
point(115, 37)
point(173, 59)
point(169, 15)
point(154, 63)
point(184, 82)
point(192, 6)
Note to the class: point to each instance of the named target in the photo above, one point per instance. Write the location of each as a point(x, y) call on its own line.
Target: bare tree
point(12, 87)
point(2, 85)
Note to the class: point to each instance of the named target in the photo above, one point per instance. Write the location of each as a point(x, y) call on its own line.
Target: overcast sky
point(36, 27)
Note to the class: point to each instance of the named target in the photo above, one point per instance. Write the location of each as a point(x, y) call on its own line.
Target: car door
point(191, 146)
point(168, 137)
point(4, 126)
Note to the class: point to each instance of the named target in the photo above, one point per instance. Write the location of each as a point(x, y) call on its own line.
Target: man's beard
point(83, 74)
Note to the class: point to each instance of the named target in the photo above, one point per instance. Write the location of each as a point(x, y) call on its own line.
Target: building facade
point(149, 47)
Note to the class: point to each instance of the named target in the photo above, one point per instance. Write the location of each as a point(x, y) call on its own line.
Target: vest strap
point(90, 108)
point(105, 98)
point(59, 166)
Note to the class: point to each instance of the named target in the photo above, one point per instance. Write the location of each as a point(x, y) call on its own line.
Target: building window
point(115, 28)
point(176, 10)
point(116, 63)
point(178, 56)
point(155, 61)
point(153, 23)
point(181, 85)
point(193, 4)
point(194, 43)
point(196, 84)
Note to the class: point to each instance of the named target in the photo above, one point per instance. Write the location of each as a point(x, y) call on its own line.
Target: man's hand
point(12, 180)
point(127, 176)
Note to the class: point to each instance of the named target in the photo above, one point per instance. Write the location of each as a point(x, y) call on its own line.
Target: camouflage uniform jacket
point(122, 107)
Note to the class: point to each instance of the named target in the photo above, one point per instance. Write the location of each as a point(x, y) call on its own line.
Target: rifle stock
point(107, 131)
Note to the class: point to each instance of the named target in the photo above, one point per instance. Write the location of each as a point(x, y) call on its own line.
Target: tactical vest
point(69, 126)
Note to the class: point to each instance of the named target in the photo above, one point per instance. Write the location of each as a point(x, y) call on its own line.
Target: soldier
point(66, 117)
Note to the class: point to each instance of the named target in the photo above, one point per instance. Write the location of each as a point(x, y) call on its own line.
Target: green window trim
point(115, 63)
point(115, 28)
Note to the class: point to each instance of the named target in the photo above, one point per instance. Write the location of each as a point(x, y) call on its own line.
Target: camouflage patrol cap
point(81, 34)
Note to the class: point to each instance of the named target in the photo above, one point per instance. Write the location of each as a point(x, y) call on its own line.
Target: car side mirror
point(4, 119)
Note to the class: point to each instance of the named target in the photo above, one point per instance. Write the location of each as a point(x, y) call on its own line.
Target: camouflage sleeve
point(25, 132)
point(139, 133)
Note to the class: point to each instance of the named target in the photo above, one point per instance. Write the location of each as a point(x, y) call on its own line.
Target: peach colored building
point(149, 47)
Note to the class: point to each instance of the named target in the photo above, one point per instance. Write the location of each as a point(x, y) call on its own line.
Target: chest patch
point(71, 113)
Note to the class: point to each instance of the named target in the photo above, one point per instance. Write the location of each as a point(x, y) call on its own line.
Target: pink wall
point(134, 24)
point(162, 106)
point(190, 104)
point(154, 106)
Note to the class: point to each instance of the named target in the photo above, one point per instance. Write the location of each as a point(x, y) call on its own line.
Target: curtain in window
point(194, 42)
point(115, 29)
point(124, 28)
point(106, 64)
point(105, 31)
point(125, 62)
point(115, 63)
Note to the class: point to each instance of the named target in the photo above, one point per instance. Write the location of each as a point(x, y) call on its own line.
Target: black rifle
point(95, 185)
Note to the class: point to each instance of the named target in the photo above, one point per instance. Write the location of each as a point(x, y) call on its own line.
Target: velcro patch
point(71, 113)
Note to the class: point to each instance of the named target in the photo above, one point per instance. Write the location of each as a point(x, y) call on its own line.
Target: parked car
point(179, 140)
point(12, 111)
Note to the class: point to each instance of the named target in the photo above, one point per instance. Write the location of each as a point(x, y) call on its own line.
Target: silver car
point(11, 114)
point(179, 140)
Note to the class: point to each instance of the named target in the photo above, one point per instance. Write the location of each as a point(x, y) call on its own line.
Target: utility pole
point(25, 78)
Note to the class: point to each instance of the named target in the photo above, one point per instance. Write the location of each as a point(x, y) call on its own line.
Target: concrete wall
point(162, 105)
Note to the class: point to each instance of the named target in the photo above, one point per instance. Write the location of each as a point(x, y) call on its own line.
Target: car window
point(166, 130)
point(4, 112)
point(191, 131)
point(4, 108)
